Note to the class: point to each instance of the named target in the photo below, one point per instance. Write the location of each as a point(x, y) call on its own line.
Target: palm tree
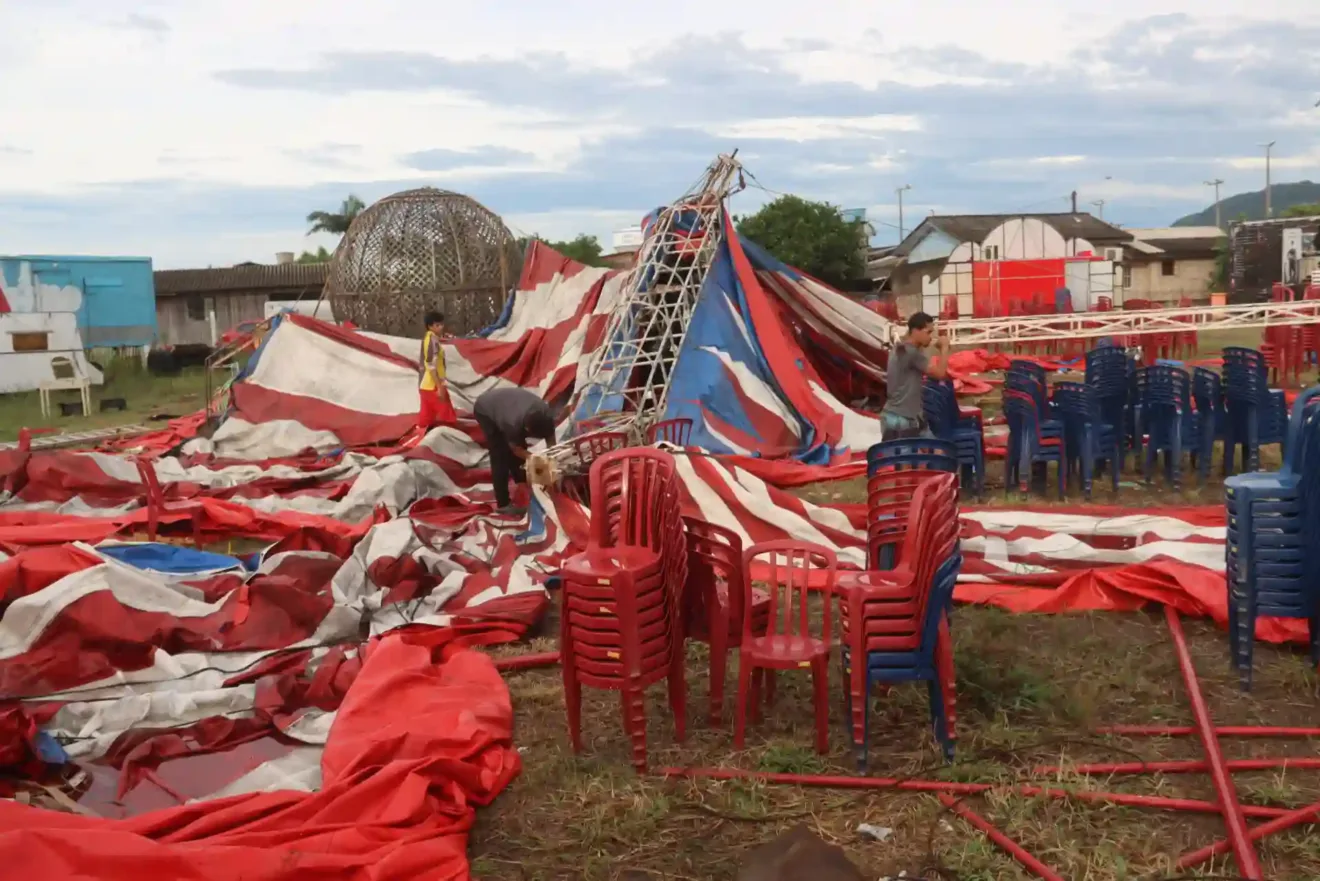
point(336, 223)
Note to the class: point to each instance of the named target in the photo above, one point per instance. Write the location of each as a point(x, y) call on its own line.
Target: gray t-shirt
point(904, 381)
point(508, 408)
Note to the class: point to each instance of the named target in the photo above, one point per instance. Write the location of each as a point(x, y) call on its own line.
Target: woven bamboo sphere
point(420, 250)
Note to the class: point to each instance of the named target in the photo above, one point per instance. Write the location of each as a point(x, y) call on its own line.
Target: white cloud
point(819, 128)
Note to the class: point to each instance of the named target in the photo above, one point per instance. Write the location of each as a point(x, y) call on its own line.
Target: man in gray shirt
point(904, 413)
point(511, 418)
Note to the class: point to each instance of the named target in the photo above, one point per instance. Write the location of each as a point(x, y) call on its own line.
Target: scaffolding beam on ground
point(626, 383)
point(1080, 325)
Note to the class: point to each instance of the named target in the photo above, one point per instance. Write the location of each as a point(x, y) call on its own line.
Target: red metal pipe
point(1157, 802)
point(1279, 824)
point(1243, 852)
point(530, 661)
point(1008, 845)
point(1225, 731)
point(1178, 767)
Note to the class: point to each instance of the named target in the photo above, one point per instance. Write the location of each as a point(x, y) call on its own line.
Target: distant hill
point(1252, 205)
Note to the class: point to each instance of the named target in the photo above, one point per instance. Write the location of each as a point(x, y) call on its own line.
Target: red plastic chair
point(793, 647)
point(588, 448)
point(671, 431)
point(713, 599)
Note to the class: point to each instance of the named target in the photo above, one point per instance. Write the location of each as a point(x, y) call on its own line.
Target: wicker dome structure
point(419, 250)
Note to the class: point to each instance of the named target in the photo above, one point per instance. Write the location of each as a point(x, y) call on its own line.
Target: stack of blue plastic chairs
point(1107, 375)
point(1256, 414)
point(1165, 416)
point(1211, 417)
point(946, 423)
point(1273, 532)
point(1028, 444)
point(1087, 436)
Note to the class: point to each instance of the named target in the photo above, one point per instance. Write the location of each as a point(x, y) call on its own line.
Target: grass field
point(1030, 691)
point(145, 396)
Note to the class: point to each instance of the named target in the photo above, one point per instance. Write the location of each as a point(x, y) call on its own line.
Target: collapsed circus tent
point(315, 709)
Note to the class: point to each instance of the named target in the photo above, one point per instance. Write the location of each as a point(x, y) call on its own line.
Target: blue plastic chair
point(941, 406)
point(1211, 418)
point(1165, 416)
point(1273, 529)
point(1088, 437)
point(1257, 414)
point(1027, 445)
point(886, 451)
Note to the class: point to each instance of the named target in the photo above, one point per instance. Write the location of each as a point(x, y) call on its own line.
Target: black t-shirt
point(508, 409)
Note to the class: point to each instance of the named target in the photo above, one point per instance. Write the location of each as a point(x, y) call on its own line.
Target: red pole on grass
point(1008, 845)
point(530, 661)
point(1179, 767)
point(1279, 824)
point(1243, 852)
point(1157, 802)
point(1225, 731)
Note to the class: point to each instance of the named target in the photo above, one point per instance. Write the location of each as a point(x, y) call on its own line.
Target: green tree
point(336, 222)
point(1301, 210)
point(811, 236)
point(320, 255)
point(583, 248)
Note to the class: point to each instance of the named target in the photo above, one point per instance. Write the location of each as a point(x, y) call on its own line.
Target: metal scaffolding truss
point(626, 384)
point(1045, 328)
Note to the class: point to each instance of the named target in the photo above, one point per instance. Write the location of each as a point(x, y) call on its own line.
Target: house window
point(196, 308)
point(30, 341)
point(990, 252)
point(1167, 267)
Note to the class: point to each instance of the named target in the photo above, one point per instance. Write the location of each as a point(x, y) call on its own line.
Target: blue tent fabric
point(171, 559)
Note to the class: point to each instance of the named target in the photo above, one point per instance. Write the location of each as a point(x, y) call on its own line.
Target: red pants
point(435, 409)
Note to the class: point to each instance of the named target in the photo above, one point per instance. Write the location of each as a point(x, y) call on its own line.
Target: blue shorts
point(895, 427)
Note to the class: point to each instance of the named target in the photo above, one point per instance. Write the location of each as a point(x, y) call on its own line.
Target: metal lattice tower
point(628, 376)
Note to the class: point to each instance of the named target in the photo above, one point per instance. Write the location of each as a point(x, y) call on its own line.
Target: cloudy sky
point(202, 133)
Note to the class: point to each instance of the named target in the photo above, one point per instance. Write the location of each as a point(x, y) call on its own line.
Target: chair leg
point(948, 676)
point(719, 660)
point(573, 704)
point(740, 710)
point(678, 691)
point(820, 684)
point(634, 724)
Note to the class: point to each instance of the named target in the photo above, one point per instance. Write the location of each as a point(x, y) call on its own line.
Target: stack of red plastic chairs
point(1284, 345)
point(886, 612)
point(1311, 332)
point(621, 622)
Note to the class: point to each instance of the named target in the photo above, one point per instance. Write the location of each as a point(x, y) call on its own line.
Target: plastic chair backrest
point(791, 564)
point(1023, 416)
point(1305, 412)
point(889, 449)
point(715, 554)
point(589, 447)
point(1164, 386)
point(631, 492)
point(1207, 390)
point(671, 431)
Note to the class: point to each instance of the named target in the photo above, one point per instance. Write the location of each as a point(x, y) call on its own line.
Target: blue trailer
point(113, 299)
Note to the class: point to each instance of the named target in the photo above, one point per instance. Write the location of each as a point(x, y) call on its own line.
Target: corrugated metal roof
point(1186, 242)
point(976, 227)
point(246, 277)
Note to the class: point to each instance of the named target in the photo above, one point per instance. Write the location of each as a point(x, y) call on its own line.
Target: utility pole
point(900, 192)
point(1216, 184)
point(1100, 207)
point(1269, 210)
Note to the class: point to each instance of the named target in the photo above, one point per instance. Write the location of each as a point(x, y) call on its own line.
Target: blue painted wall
point(935, 245)
point(118, 295)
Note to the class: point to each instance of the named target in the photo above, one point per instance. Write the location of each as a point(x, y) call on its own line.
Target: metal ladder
point(628, 376)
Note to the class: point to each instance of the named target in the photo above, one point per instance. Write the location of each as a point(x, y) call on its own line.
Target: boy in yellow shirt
point(436, 408)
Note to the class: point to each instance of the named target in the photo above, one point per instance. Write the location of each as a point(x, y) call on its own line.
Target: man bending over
point(511, 418)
